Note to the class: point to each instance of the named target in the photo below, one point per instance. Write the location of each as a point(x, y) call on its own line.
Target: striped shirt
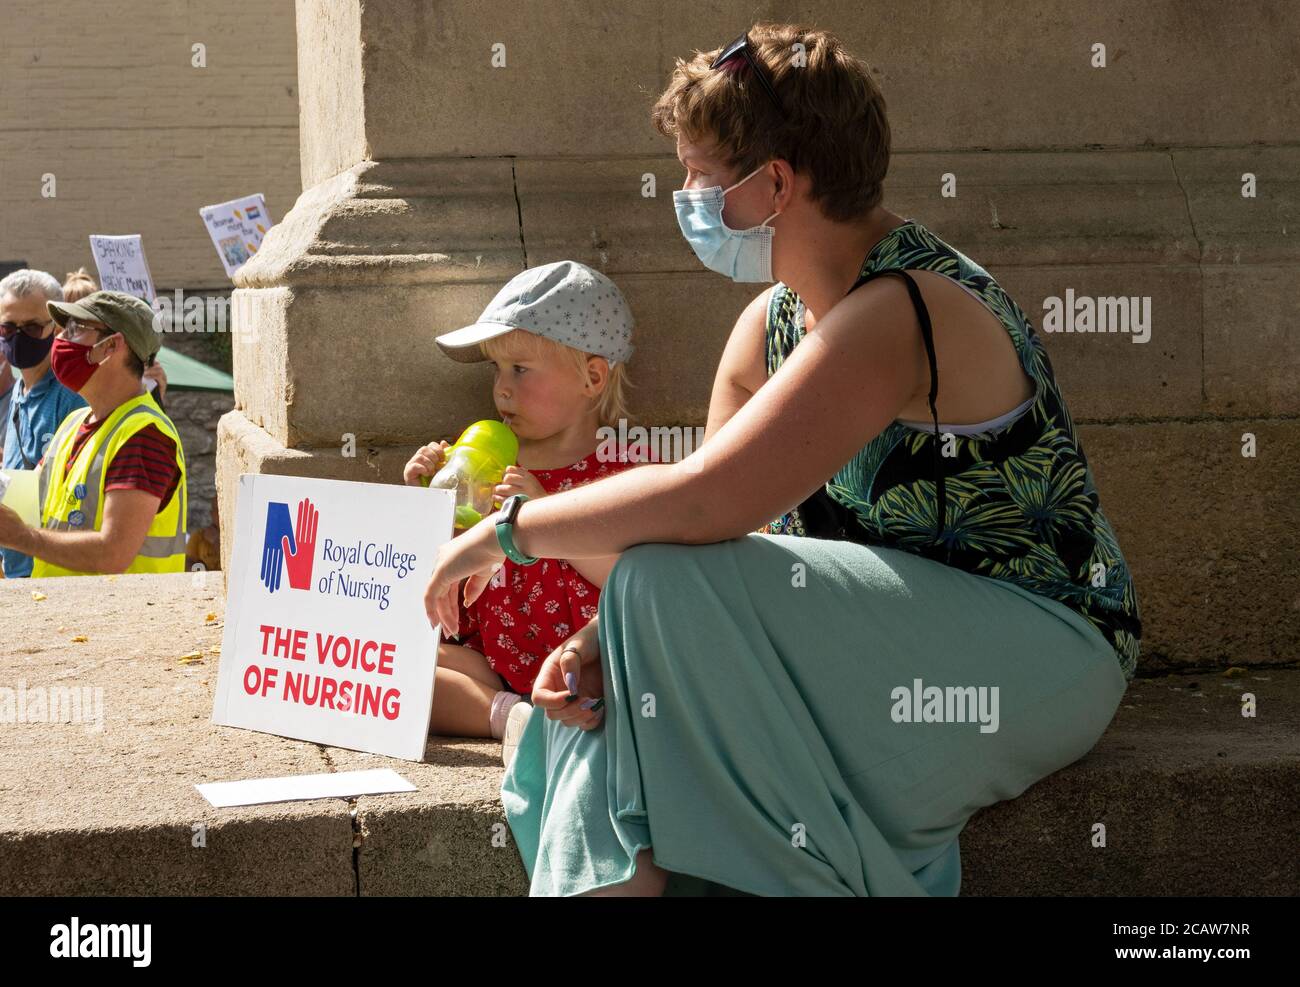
point(146, 461)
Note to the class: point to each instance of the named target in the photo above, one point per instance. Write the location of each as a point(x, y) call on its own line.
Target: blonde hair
point(611, 403)
point(78, 285)
point(832, 125)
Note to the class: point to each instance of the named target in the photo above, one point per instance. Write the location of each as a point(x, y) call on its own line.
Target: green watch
point(505, 530)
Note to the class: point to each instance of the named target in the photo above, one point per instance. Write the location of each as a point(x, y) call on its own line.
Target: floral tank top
point(1019, 499)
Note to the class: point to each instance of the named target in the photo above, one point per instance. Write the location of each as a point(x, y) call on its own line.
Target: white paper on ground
point(296, 788)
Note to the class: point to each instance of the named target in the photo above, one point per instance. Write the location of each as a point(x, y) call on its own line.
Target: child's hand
point(518, 480)
point(426, 461)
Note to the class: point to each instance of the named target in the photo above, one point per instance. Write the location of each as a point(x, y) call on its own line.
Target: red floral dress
point(528, 611)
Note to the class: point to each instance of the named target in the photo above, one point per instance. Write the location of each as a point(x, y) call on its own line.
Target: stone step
point(1195, 798)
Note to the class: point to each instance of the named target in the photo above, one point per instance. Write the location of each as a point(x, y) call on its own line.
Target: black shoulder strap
point(18, 433)
point(927, 335)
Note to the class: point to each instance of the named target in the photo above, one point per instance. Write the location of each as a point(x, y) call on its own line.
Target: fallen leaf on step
point(80, 639)
point(37, 595)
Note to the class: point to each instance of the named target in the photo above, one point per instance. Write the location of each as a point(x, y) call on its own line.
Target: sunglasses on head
point(742, 47)
point(34, 329)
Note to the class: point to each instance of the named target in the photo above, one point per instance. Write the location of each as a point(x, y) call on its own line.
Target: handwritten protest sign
point(237, 228)
point(122, 265)
point(326, 636)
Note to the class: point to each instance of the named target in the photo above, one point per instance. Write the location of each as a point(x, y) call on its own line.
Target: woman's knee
point(640, 558)
point(654, 565)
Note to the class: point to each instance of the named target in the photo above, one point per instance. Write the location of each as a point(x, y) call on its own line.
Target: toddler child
point(560, 336)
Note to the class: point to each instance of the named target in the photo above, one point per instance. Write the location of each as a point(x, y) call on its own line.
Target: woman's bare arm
point(743, 367)
point(594, 570)
point(741, 372)
point(839, 388)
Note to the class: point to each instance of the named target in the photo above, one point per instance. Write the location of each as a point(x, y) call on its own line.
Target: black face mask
point(23, 351)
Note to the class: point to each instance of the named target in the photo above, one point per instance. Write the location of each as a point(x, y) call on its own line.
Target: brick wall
point(105, 98)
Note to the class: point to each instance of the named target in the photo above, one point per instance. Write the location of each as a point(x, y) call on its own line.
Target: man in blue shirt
point(38, 402)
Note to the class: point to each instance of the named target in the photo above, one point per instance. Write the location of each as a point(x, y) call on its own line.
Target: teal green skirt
point(793, 716)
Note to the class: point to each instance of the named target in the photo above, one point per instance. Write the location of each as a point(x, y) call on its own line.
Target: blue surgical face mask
point(742, 255)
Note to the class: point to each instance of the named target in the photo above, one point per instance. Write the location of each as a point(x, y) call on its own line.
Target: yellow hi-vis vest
point(74, 501)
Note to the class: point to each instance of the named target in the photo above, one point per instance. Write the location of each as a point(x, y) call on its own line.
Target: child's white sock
point(501, 705)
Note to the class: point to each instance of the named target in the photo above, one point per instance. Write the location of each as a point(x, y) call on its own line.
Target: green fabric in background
point(184, 373)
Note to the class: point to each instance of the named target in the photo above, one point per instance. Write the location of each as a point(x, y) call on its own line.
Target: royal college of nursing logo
point(289, 547)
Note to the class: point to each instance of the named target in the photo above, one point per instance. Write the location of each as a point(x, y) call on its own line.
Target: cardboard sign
point(20, 491)
point(122, 265)
point(326, 637)
point(237, 228)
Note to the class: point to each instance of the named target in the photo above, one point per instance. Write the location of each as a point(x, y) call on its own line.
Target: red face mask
point(71, 363)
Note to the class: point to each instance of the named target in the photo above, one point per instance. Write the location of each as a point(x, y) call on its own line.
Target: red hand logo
point(299, 562)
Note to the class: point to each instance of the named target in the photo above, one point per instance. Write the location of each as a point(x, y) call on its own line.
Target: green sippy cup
point(475, 465)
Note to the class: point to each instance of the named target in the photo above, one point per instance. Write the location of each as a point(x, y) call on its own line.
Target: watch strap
point(505, 532)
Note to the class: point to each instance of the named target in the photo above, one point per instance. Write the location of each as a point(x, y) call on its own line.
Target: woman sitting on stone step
point(819, 707)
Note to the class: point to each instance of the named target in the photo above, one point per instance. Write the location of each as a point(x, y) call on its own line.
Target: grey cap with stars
point(564, 301)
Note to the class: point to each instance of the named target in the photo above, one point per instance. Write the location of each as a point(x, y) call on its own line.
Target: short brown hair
point(133, 361)
point(834, 126)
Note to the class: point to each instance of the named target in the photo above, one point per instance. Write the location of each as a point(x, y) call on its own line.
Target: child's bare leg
point(462, 695)
point(468, 662)
point(647, 882)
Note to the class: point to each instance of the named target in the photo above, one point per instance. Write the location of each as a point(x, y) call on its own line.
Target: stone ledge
point(453, 221)
point(416, 248)
point(989, 75)
point(1195, 798)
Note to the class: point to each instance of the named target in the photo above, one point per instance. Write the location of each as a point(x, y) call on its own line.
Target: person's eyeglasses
point(743, 48)
point(74, 329)
point(34, 329)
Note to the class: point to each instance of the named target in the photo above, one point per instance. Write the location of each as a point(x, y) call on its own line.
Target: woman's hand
point(474, 556)
point(426, 461)
point(551, 689)
point(518, 480)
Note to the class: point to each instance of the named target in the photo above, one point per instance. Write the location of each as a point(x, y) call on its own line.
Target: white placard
point(122, 265)
point(300, 788)
point(237, 228)
point(326, 636)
